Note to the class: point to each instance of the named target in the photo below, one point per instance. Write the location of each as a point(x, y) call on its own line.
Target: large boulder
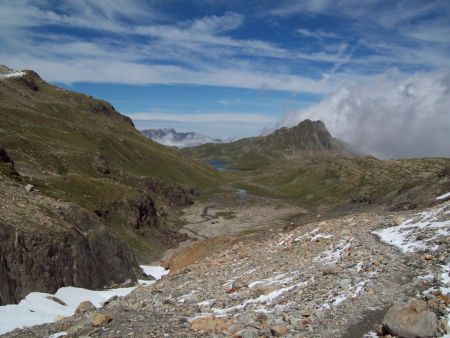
point(412, 320)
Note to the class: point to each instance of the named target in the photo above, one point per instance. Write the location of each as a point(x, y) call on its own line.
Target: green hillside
point(309, 167)
point(76, 148)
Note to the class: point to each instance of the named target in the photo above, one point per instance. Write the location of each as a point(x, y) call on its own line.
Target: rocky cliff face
point(174, 196)
point(308, 134)
point(47, 244)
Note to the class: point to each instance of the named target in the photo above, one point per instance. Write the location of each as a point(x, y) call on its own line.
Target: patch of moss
point(226, 214)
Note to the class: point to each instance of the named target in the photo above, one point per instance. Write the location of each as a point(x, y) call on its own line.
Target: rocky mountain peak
point(6, 72)
point(312, 136)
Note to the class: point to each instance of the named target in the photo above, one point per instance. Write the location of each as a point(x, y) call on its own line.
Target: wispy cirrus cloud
point(137, 42)
point(192, 51)
point(317, 34)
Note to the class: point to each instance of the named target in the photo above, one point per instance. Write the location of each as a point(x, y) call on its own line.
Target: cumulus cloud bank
point(392, 115)
point(171, 138)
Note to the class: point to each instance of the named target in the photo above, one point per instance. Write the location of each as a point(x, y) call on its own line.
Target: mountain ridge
point(64, 148)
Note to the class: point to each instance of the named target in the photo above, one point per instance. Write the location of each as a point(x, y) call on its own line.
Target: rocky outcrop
point(43, 261)
point(45, 245)
point(145, 214)
point(102, 107)
point(5, 158)
point(101, 164)
point(306, 135)
point(175, 196)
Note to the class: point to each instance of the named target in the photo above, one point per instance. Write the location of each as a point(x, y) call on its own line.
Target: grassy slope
point(318, 179)
point(57, 136)
point(329, 183)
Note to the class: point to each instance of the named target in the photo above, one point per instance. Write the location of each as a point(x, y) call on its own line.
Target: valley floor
point(328, 278)
point(236, 214)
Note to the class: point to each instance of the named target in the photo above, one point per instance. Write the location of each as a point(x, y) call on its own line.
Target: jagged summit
point(6, 72)
point(308, 139)
point(307, 135)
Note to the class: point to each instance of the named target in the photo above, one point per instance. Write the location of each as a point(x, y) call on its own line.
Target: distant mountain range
point(170, 137)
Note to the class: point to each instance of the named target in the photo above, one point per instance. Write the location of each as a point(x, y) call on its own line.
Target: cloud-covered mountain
point(170, 137)
point(389, 116)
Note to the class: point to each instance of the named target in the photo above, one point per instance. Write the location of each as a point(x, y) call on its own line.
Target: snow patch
point(187, 296)
point(58, 335)
point(353, 291)
point(283, 278)
point(443, 197)
point(416, 233)
point(207, 302)
point(261, 299)
point(12, 74)
point(313, 235)
point(370, 334)
point(38, 308)
point(335, 254)
point(156, 271)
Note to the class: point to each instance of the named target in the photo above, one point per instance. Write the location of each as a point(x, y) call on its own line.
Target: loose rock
point(101, 319)
point(85, 307)
point(411, 320)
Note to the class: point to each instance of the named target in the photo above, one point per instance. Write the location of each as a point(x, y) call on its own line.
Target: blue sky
point(224, 68)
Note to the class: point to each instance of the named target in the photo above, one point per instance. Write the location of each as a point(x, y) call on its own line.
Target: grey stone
point(344, 283)
point(411, 320)
point(249, 333)
point(329, 269)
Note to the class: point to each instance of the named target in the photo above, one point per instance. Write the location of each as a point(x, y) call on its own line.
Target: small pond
point(218, 165)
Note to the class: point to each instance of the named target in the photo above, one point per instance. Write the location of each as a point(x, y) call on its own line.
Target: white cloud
point(217, 24)
point(187, 52)
point(146, 47)
point(317, 34)
point(204, 118)
point(172, 138)
point(290, 8)
point(391, 116)
point(223, 129)
point(110, 70)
